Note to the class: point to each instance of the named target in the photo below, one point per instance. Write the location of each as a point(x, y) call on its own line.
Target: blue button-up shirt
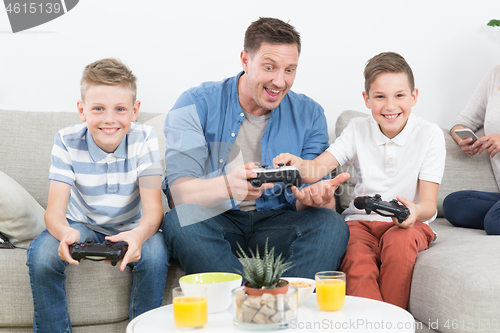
point(203, 125)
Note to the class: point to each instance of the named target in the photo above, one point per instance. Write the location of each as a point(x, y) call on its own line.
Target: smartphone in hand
point(466, 133)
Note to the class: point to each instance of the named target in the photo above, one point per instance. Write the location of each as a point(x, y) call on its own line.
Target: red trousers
point(379, 259)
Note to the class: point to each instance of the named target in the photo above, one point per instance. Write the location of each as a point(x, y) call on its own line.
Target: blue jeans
point(474, 209)
point(314, 239)
point(48, 285)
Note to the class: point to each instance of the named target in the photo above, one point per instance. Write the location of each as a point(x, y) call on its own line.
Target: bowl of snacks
point(217, 285)
point(305, 287)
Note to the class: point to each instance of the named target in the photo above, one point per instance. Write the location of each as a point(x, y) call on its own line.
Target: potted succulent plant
point(263, 275)
point(265, 301)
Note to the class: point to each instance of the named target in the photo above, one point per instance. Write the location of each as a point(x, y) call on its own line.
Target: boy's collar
point(401, 139)
point(97, 154)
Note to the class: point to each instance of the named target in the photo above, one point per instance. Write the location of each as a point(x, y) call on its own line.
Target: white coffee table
point(357, 315)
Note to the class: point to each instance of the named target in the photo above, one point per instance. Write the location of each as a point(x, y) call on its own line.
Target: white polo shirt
point(390, 167)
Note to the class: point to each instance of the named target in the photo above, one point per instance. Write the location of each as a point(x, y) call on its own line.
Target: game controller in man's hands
point(391, 209)
point(290, 175)
point(108, 250)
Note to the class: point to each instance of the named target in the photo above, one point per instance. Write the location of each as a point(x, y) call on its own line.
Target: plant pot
point(282, 288)
point(266, 312)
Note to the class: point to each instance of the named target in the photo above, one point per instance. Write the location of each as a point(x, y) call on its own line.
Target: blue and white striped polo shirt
point(105, 187)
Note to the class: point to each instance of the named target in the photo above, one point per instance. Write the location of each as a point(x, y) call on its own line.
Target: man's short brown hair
point(272, 31)
point(387, 62)
point(109, 71)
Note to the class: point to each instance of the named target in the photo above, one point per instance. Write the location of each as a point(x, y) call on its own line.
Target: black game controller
point(392, 208)
point(92, 251)
point(290, 175)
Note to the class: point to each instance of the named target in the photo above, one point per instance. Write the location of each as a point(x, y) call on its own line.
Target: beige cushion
point(464, 172)
point(345, 191)
point(97, 293)
point(21, 217)
point(456, 280)
point(157, 124)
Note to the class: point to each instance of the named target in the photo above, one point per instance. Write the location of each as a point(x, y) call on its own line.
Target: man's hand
point(410, 220)
point(238, 186)
point(70, 237)
point(320, 194)
point(134, 240)
point(491, 143)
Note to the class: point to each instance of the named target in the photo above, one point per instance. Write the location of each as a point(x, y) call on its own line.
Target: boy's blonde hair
point(109, 71)
point(387, 62)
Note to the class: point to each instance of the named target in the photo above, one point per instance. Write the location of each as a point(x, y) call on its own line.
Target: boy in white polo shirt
point(397, 155)
point(105, 184)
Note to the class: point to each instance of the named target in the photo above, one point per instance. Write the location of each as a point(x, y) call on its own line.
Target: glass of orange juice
point(330, 290)
point(190, 309)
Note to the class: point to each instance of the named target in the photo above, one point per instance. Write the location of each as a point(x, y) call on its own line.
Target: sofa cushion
point(345, 191)
point(157, 124)
point(97, 293)
point(464, 172)
point(455, 282)
point(21, 217)
point(26, 157)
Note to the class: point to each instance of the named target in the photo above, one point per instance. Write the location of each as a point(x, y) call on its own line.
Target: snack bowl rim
point(303, 293)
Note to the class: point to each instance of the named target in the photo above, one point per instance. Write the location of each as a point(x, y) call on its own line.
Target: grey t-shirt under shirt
point(246, 148)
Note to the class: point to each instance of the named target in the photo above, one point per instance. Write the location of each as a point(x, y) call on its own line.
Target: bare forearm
point(150, 223)
point(204, 192)
point(57, 224)
point(425, 211)
point(311, 171)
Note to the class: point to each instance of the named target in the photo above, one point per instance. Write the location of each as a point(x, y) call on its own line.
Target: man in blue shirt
point(217, 133)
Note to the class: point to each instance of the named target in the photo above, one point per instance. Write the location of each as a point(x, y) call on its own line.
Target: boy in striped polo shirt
point(104, 184)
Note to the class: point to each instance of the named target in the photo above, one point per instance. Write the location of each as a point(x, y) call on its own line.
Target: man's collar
point(97, 154)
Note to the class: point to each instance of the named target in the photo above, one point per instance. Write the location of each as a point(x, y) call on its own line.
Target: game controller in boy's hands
point(290, 175)
point(391, 209)
point(108, 250)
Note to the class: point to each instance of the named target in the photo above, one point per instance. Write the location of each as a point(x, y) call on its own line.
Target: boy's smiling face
point(109, 112)
point(390, 98)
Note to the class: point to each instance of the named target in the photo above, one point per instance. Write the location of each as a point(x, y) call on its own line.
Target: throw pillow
point(21, 216)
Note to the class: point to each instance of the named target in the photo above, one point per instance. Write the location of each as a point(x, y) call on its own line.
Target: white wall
point(174, 45)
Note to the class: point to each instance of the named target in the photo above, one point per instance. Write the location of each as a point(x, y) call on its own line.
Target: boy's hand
point(287, 159)
point(489, 142)
point(134, 240)
point(72, 236)
point(238, 186)
point(410, 220)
